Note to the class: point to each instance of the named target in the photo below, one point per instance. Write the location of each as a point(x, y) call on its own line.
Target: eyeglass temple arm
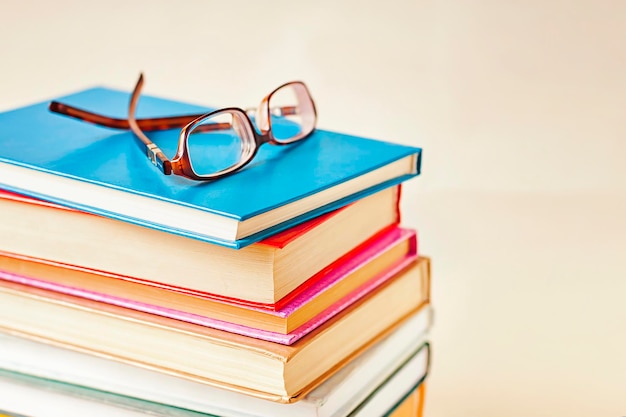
point(275, 111)
point(153, 152)
point(151, 124)
point(147, 125)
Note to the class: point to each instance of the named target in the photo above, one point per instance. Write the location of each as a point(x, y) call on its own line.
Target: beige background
point(519, 106)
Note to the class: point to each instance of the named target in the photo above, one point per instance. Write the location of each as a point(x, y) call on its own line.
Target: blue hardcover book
point(102, 171)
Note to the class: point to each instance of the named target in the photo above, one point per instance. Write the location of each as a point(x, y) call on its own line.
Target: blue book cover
point(102, 171)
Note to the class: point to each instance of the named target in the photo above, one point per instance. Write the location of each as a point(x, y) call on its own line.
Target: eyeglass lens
point(291, 113)
point(217, 143)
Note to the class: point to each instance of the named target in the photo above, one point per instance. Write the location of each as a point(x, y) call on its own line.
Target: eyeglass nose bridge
point(262, 119)
point(257, 115)
point(261, 130)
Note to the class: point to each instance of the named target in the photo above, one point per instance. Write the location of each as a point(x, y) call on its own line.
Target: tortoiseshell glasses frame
point(237, 119)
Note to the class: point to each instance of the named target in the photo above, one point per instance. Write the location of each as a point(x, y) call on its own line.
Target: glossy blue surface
point(36, 138)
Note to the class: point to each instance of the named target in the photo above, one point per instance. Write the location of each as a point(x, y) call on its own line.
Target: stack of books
point(287, 289)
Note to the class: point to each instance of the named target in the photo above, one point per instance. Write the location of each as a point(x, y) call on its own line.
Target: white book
point(48, 401)
point(57, 399)
point(396, 388)
point(337, 396)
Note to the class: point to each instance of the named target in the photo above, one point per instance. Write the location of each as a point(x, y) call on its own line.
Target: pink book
point(394, 249)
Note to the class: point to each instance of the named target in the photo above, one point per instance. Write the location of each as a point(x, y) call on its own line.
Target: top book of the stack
point(101, 171)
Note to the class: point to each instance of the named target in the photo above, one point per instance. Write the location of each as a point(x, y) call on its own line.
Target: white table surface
point(519, 106)
point(528, 290)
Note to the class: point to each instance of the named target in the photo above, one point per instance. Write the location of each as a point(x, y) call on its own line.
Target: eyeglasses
point(218, 143)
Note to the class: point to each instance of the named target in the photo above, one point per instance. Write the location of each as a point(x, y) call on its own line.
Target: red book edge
point(278, 241)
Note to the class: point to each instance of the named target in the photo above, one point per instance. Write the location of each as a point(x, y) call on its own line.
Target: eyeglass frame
point(181, 164)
